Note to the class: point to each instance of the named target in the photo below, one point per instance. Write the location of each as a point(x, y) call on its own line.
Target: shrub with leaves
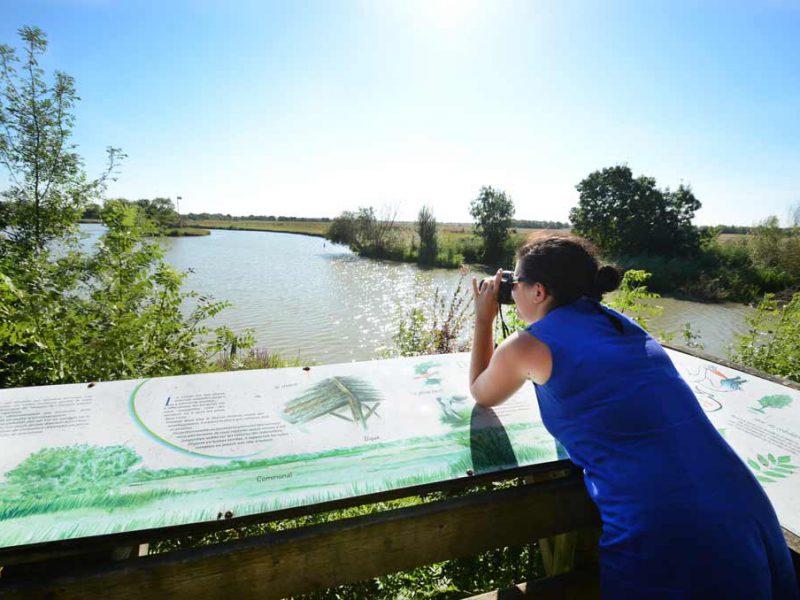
point(631, 297)
point(771, 341)
point(436, 330)
point(69, 314)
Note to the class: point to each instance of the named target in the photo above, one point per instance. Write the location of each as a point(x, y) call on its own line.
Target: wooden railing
point(552, 501)
point(306, 559)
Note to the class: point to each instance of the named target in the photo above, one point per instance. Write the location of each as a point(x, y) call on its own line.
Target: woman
point(683, 517)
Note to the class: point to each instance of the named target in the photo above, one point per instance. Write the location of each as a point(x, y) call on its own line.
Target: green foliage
point(632, 295)
point(449, 580)
point(70, 314)
point(717, 272)
point(775, 249)
point(436, 330)
point(428, 238)
point(160, 211)
point(771, 342)
point(73, 469)
point(91, 212)
point(368, 233)
point(492, 211)
point(251, 358)
point(624, 215)
point(113, 314)
point(48, 187)
point(512, 321)
point(690, 338)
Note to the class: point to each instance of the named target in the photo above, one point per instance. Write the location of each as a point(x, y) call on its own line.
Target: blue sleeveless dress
point(682, 515)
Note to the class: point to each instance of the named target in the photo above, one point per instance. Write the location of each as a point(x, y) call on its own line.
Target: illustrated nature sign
point(84, 460)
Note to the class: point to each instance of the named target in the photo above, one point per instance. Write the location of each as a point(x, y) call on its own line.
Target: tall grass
point(252, 358)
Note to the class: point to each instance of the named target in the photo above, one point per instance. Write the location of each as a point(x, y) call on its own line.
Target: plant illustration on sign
point(772, 401)
point(427, 372)
point(770, 468)
point(348, 398)
point(456, 411)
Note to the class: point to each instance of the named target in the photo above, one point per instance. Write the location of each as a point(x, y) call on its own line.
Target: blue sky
point(310, 108)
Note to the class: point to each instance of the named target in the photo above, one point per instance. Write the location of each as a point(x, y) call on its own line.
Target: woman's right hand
point(486, 304)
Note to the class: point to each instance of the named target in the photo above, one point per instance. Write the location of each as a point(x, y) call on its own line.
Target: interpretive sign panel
point(91, 459)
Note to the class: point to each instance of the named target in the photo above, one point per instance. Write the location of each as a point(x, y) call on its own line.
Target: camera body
point(506, 285)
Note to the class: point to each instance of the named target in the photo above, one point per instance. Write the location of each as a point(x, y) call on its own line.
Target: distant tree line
point(533, 224)
point(226, 217)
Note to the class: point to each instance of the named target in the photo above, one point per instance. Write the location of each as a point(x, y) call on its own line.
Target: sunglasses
point(528, 280)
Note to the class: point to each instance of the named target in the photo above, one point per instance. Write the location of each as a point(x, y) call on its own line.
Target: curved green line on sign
point(138, 420)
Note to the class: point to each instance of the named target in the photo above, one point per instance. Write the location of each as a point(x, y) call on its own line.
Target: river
point(305, 297)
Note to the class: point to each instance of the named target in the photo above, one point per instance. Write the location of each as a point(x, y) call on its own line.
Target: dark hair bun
point(608, 279)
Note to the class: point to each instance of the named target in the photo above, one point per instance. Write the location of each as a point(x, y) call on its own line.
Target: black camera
point(506, 285)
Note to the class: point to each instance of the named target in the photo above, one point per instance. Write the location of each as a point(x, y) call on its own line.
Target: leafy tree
point(492, 211)
point(49, 188)
point(776, 249)
point(772, 339)
point(73, 469)
point(632, 296)
point(365, 231)
point(343, 229)
point(69, 314)
point(436, 328)
point(428, 236)
point(627, 216)
point(160, 211)
point(92, 211)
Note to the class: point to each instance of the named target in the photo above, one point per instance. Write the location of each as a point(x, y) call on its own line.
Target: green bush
point(771, 342)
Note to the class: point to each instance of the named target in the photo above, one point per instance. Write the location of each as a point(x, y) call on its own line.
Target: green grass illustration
point(147, 498)
point(10, 509)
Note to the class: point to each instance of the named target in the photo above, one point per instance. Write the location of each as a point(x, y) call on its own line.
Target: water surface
point(306, 297)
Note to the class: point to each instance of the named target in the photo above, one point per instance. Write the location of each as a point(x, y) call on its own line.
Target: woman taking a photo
point(682, 515)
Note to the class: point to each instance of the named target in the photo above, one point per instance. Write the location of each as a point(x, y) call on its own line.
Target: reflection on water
point(306, 297)
point(716, 324)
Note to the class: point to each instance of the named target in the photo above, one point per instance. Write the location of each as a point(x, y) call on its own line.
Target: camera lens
point(506, 285)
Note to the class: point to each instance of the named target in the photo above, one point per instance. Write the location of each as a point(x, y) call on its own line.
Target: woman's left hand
point(486, 303)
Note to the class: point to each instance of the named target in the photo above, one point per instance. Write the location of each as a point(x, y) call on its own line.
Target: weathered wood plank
point(312, 558)
point(583, 584)
point(792, 541)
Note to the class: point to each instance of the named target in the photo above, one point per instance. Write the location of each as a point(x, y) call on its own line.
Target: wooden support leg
point(564, 552)
point(558, 553)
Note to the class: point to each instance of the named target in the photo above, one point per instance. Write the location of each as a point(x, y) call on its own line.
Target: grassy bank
point(186, 232)
point(314, 228)
point(722, 270)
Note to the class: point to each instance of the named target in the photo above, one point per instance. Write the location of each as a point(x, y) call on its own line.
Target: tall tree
point(493, 211)
point(428, 236)
point(626, 215)
point(67, 314)
point(49, 188)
